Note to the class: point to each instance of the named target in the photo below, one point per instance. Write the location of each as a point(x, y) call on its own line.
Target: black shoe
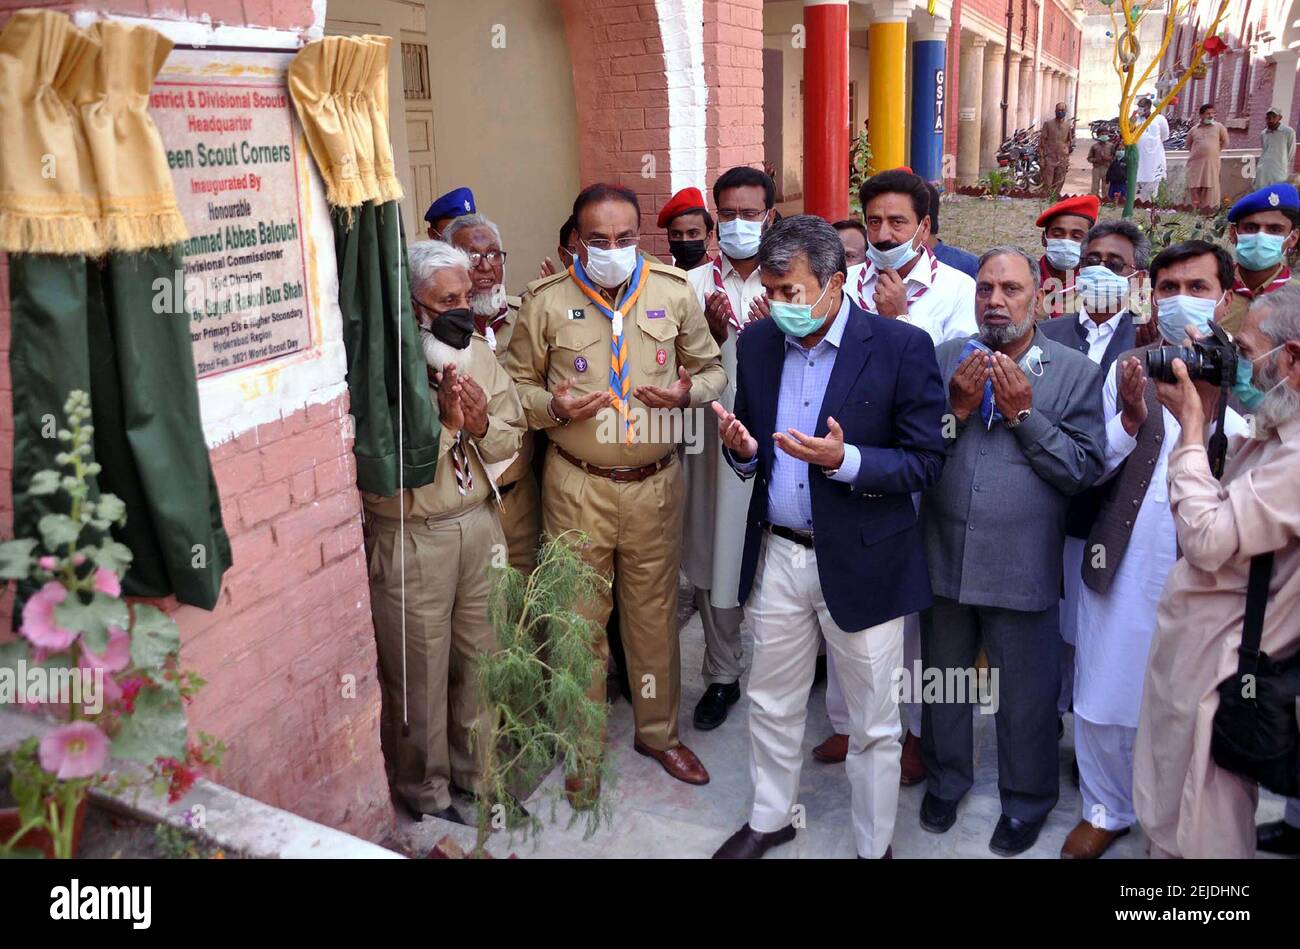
point(1278, 837)
point(449, 813)
point(750, 844)
point(938, 815)
point(819, 671)
point(1013, 836)
point(711, 710)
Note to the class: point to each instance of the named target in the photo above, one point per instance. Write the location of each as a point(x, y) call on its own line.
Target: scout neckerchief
point(919, 288)
point(1279, 279)
point(620, 381)
point(717, 285)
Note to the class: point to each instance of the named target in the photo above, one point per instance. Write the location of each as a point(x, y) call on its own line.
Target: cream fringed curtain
point(339, 86)
point(89, 218)
point(82, 167)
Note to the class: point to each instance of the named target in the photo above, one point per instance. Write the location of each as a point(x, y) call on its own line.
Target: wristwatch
point(1020, 417)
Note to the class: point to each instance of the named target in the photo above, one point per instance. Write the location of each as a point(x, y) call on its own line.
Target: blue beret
point(452, 204)
point(1279, 197)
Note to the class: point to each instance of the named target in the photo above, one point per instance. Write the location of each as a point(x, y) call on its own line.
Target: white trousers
point(838, 712)
point(1105, 756)
point(789, 615)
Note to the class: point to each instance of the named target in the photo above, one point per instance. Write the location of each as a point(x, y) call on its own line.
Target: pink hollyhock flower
point(116, 655)
point(48, 562)
point(74, 751)
point(130, 689)
point(106, 581)
point(38, 618)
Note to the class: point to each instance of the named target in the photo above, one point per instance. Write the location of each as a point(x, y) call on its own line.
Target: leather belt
point(802, 538)
point(619, 474)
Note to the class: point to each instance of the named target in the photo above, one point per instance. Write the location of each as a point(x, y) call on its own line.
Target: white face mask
point(610, 268)
point(739, 239)
point(1063, 254)
point(1174, 314)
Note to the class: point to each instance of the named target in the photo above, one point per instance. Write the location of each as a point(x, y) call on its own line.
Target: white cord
point(401, 465)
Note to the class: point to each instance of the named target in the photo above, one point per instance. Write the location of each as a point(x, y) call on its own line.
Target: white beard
point(489, 303)
point(1278, 406)
point(437, 353)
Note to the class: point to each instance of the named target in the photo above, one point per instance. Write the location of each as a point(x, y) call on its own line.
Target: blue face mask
point(1102, 290)
point(895, 257)
point(1175, 314)
point(739, 239)
point(1250, 395)
point(795, 319)
point(1259, 251)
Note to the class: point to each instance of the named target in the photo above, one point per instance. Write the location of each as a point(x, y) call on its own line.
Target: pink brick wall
point(294, 614)
point(616, 49)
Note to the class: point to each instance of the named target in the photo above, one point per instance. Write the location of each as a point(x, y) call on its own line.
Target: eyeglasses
point(745, 214)
point(623, 243)
point(493, 257)
point(1114, 264)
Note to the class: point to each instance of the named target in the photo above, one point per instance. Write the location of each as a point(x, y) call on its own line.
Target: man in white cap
point(1277, 150)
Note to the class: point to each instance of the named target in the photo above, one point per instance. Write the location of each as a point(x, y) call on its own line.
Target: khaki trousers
point(1099, 180)
point(1053, 174)
point(634, 530)
point(521, 522)
point(447, 628)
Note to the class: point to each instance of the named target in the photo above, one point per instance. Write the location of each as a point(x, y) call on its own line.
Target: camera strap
point(1218, 446)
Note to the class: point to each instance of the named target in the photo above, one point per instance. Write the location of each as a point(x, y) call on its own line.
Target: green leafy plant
point(111, 669)
point(996, 181)
point(860, 169)
point(535, 687)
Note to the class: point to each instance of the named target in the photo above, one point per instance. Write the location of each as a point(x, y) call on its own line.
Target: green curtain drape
point(89, 324)
point(374, 288)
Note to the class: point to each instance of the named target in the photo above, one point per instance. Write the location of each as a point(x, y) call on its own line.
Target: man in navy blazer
point(845, 410)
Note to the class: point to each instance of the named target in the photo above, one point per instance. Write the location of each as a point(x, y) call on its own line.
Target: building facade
point(1258, 70)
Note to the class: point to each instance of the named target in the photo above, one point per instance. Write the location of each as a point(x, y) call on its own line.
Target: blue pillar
point(929, 98)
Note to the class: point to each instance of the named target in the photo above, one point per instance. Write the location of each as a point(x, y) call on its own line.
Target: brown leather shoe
point(750, 844)
point(913, 766)
point(582, 791)
point(1087, 842)
point(678, 761)
point(833, 750)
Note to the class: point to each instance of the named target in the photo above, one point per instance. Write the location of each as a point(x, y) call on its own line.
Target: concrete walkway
point(655, 816)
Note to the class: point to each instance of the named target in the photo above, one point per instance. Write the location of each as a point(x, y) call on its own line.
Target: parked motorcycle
point(1019, 155)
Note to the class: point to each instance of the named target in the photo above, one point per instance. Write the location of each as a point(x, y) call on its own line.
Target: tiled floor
point(655, 816)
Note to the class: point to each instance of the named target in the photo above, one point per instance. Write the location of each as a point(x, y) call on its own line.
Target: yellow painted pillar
point(888, 93)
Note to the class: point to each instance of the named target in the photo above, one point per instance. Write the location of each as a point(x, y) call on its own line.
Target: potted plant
point(535, 687)
point(108, 671)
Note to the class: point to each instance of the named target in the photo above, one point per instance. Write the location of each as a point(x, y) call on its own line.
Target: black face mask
point(1060, 114)
point(454, 327)
point(687, 254)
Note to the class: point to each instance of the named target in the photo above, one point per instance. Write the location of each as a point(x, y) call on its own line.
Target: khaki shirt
point(1054, 140)
point(560, 334)
point(502, 339)
point(441, 498)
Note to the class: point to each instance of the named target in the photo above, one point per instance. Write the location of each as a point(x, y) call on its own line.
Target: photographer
point(1186, 803)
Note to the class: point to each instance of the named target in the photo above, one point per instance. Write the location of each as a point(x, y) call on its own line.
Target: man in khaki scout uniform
point(495, 314)
point(450, 535)
point(611, 470)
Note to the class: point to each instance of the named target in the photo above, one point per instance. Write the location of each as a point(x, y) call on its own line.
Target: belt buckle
point(623, 475)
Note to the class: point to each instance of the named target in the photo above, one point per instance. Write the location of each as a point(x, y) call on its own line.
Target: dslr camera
point(1211, 359)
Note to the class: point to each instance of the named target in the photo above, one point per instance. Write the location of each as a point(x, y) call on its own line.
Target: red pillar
point(826, 109)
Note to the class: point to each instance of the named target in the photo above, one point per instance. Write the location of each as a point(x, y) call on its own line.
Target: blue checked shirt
point(804, 377)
